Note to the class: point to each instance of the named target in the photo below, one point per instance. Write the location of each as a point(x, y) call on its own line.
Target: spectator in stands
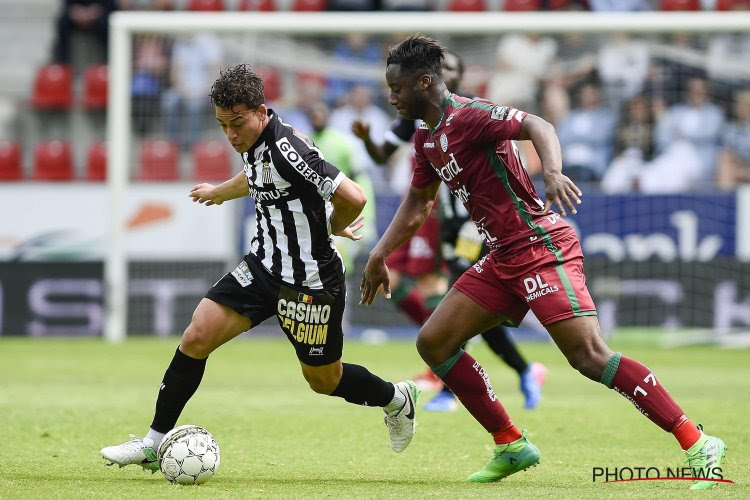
point(633, 147)
point(697, 121)
point(523, 59)
point(339, 149)
point(586, 136)
point(674, 61)
point(619, 5)
point(150, 76)
point(622, 65)
point(360, 106)
point(296, 109)
point(354, 48)
point(86, 16)
point(354, 5)
point(407, 5)
point(728, 65)
point(195, 63)
point(734, 158)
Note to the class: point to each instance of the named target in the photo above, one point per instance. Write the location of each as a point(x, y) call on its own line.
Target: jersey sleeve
point(424, 174)
point(306, 164)
point(486, 122)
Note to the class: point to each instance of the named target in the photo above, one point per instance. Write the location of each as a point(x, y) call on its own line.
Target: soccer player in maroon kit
point(535, 260)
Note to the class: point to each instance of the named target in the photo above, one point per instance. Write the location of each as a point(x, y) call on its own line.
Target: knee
point(197, 340)
point(322, 384)
point(589, 360)
point(432, 352)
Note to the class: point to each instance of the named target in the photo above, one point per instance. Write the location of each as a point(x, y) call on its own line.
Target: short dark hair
point(237, 85)
point(418, 54)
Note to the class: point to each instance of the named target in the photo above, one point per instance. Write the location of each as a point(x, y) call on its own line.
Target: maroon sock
point(413, 306)
point(469, 382)
point(636, 382)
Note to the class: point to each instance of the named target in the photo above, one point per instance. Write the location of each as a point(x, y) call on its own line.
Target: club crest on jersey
point(443, 142)
point(267, 176)
point(499, 113)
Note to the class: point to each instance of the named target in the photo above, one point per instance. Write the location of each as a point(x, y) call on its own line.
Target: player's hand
point(205, 193)
point(562, 192)
point(350, 231)
point(361, 129)
point(376, 274)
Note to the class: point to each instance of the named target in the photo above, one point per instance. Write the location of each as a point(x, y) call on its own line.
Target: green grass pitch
point(62, 400)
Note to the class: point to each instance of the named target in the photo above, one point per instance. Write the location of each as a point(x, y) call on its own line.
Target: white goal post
point(124, 25)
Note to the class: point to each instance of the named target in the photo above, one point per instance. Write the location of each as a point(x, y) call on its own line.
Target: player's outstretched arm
point(412, 213)
point(559, 189)
point(209, 194)
point(348, 201)
point(380, 153)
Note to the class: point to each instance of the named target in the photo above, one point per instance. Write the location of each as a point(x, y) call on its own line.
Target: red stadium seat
point(257, 5)
point(467, 5)
point(521, 5)
point(671, 5)
point(95, 87)
point(10, 161)
point(733, 5)
point(309, 5)
point(53, 87)
point(96, 162)
point(158, 161)
point(205, 5)
point(271, 82)
point(211, 161)
point(53, 161)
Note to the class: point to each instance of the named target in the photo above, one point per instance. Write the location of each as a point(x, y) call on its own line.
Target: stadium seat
point(10, 161)
point(96, 162)
point(211, 161)
point(467, 5)
point(673, 5)
point(95, 87)
point(53, 88)
point(309, 5)
point(53, 161)
point(205, 5)
point(158, 161)
point(521, 5)
point(257, 5)
point(271, 82)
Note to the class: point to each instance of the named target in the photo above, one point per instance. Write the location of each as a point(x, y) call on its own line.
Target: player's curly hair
point(237, 85)
point(418, 54)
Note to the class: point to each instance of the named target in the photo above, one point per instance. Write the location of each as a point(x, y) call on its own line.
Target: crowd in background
point(651, 114)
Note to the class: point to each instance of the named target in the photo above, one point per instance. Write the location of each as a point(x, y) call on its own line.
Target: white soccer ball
point(188, 454)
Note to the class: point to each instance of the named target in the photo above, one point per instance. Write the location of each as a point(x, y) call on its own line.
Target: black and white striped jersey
point(292, 185)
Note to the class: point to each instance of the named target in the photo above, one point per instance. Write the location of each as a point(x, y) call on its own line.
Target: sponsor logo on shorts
point(242, 274)
point(478, 266)
point(536, 287)
point(306, 321)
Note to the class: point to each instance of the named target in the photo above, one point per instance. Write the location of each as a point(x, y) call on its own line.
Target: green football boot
point(704, 457)
point(508, 459)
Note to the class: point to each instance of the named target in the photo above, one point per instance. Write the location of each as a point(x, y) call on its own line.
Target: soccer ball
point(188, 454)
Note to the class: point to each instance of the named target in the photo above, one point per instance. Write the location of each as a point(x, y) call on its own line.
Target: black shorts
point(311, 319)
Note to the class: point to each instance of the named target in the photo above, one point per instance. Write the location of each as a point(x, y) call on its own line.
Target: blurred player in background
point(447, 236)
point(292, 270)
point(535, 260)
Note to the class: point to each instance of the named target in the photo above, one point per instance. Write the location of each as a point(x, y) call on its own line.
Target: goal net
point(644, 105)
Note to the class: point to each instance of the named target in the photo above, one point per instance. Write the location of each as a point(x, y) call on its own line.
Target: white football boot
point(402, 422)
point(138, 451)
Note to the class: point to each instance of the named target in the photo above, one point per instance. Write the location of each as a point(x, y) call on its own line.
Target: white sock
point(156, 437)
point(398, 401)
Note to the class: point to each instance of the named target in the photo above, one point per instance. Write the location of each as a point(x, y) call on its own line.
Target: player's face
point(241, 124)
point(405, 94)
point(451, 72)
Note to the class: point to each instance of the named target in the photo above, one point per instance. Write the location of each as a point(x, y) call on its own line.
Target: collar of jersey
point(262, 136)
point(443, 105)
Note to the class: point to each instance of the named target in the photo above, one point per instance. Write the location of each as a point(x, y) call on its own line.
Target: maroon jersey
point(471, 150)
